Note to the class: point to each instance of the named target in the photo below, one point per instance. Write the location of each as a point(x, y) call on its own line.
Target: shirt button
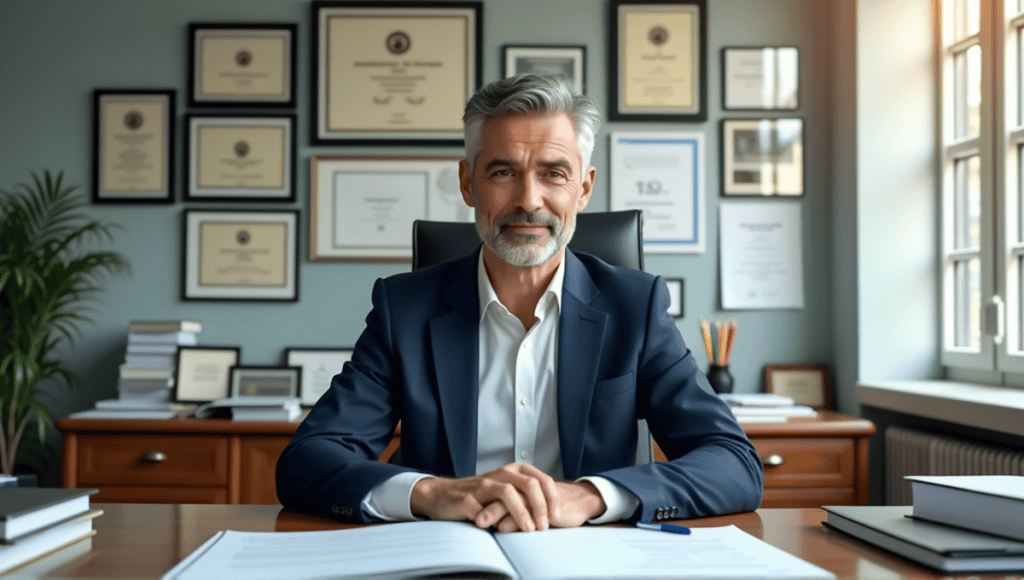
point(524, 401)
point(524, 455)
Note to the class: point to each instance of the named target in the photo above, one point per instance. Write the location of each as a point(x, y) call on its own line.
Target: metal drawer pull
point(773, 460)
point(154, 457)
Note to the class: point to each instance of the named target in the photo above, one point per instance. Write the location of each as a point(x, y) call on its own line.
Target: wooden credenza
point(820, 461)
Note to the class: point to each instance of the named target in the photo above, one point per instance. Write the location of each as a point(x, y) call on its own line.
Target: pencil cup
point(720, 378)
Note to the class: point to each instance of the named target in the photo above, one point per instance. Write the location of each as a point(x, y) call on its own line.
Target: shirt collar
point(489, 296)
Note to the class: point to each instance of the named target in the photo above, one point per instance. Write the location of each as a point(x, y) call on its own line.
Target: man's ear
point(466, 183)
point(587, 189)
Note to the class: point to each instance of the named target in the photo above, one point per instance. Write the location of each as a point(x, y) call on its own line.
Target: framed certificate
point(759, 78)
point(763, 157)
point(241, 255)
point(395, 73)
point(133, 146)
point(232, 65)
point(658, 69)
point(264, 381)
point(363, 208)
point(233, 158)
point(566, 61)
point(662, 174)
point(319, 365)
point(806, 384)
point(202, 372)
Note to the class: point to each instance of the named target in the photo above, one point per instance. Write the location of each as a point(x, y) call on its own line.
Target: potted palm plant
point(48, 275)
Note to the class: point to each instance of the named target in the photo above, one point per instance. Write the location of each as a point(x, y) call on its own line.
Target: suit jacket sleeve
point(713, 468)
point(331, 462)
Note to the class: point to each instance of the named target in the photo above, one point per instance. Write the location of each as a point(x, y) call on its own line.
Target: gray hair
point(531, 94)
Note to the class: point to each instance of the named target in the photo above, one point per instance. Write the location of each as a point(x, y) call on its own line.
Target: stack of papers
point(254, 408)
point(764, 407)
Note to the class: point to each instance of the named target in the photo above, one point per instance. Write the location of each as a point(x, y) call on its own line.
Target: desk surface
point(142, 541)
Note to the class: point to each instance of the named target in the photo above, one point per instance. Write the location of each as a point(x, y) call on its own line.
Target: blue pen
point(663, 527)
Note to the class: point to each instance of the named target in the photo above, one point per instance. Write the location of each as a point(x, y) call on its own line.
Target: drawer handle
point(154, 457)
point(773, 460)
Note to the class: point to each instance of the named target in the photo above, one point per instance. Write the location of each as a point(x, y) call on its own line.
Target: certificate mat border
point(236, 372)
point(577, 52)
point(474, 71)
point(726, 159)
point(244, 194)
point(698, 243)
point(290, 76)
point(312, 351)
point(169, 146)
point(614, 76)
point(178, 378)
point(190, 289)
point(725, 76)
point(321, 206)
point(820, 368)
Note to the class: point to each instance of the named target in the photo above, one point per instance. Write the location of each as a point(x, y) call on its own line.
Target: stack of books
point(147, 375)
point(764, 407)
point(36, 521)
point(253, 408)
point(958, 523)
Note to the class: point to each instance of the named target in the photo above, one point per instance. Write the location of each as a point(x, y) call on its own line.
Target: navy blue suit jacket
point(620, 357)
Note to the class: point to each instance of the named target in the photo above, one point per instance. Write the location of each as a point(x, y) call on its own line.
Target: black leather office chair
point(615, 237)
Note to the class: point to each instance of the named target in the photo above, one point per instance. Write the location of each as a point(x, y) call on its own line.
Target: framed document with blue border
point(662, 174)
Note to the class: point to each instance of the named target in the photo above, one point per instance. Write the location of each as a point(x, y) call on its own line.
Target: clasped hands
point(514, 497)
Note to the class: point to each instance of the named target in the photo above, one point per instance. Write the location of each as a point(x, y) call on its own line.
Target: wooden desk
point(140, 541)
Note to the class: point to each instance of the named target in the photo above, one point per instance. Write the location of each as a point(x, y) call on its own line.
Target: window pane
point(967, 193)
point(1020, 67)
point(966, 18)
point(973, 16)
point(967, 93)
point(968, 304)
point(1019, 234)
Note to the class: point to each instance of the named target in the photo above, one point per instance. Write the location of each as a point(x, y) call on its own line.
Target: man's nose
point(530, 193)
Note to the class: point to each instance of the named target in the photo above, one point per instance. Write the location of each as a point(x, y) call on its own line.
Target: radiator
point(911, 452)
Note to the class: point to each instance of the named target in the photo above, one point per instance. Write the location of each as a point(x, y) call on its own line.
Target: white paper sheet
point(761, 255)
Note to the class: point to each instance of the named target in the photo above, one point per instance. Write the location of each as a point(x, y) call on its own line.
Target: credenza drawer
point(128, 460)
point(807, 462)
point(797, 497)
point(160, 494)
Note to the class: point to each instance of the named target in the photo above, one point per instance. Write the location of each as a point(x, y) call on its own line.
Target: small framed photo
point(240, 158)
point(806, 384)
point(265, 381)
point(566, 61)
point(133, 146)
point(241, 65)
point(203, 371)
point(241, 255)
point(319, 365)
point(763, 157)
point(675, 295)
point(760, 78)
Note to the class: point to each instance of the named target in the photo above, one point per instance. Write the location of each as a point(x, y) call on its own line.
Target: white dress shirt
point(517, 418)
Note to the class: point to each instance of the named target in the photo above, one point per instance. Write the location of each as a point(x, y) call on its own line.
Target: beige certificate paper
point(659, 64)
point(238, 156)
point(133, 146)
point(233, 65)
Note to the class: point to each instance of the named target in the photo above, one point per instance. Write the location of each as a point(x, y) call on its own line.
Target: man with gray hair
point(519, 372)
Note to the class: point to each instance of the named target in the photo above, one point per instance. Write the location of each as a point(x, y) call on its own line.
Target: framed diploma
point(760, 78)
point(319, 365)
point(232, 65)
point(662, 174)
point(395, 73)
point(566, 61)
point(264, 381)
point(233, 158)
point(658, 69)
point(241, 255)
point(806, 384)
point(762, 157)
point(133, 146)
point(363, 208)
point(202, 372)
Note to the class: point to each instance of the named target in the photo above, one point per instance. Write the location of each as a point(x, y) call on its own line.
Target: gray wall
point(53, 53)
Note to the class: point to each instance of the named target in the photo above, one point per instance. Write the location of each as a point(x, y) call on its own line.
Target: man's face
point(526, 186)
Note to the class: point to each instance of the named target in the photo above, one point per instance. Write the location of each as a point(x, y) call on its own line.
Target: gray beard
point(520, 249)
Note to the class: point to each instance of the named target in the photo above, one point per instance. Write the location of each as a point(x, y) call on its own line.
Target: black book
point(24, 510)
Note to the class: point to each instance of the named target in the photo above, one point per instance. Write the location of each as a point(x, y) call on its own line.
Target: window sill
point(982, 406)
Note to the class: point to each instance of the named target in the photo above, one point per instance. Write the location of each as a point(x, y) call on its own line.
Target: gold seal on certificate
point(400, 71)
point(233, 158)
point(242, 64)
point(658, 53)
point(133, 144)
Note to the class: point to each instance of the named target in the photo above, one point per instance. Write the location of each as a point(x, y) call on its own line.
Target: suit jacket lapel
point(580, 336)
point(455, 345)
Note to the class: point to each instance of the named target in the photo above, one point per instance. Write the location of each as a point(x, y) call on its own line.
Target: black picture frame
point(234, 233)
point(240, 373)
point(735, 74)
point(287, 33)
point(676, 307)
point(233, 155)
point(183, 391)
point(370, 134)
point(134, 108)
point(575, 54)
point(619, 106)
point(314, 381)
point(751, 144)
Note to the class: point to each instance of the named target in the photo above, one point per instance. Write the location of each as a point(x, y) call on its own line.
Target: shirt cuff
point(619, 503)
point(391, 501)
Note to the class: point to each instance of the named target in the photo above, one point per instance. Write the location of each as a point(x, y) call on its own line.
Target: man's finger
point(514, 503)
point(491, 515)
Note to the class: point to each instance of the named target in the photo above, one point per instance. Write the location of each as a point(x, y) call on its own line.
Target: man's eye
point(556, 175)
point(503, 173)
